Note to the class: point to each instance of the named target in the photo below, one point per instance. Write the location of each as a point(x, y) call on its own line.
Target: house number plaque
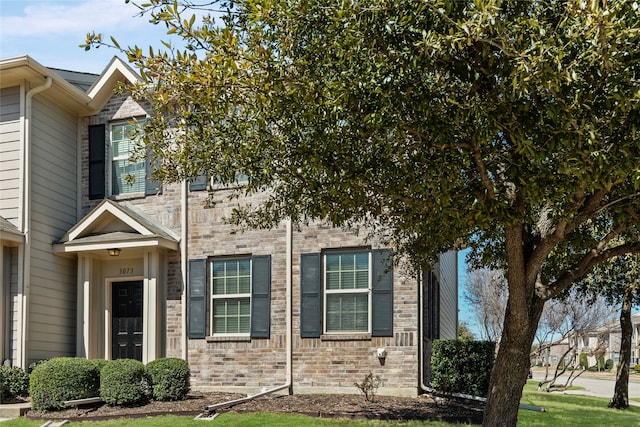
point(125, 271)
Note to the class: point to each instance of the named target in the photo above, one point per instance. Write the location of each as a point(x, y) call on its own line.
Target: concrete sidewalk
point(13, 410)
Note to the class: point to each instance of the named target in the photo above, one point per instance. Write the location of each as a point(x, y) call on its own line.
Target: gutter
point(425, 388)
point(26, 218)
point(184, 263)
point(210, 410)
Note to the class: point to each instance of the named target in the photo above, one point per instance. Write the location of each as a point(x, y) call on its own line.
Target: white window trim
point(246, 295)
point(326, 292)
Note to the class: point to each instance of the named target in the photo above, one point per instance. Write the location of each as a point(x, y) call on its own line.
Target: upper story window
point(110, 147)
point(126, 176)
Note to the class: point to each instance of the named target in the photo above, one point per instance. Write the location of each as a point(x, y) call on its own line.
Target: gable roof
point(14, 71)
point(102, 89)
point(82, 93)
point(111, 225)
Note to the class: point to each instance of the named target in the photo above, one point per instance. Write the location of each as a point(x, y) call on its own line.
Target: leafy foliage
point(60, 379)
point(14, 382)
point(508, 124)
point(123, 382)
point(170, 378)
point(462, 366)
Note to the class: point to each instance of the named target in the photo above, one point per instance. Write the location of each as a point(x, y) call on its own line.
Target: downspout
point(26, 216)
point(184, 253)
point(288, 347)
point(425, 387)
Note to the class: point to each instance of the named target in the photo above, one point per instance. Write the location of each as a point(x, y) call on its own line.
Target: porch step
point(14, 410)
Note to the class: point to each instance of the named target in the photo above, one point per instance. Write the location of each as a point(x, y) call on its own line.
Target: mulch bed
point(325, 406)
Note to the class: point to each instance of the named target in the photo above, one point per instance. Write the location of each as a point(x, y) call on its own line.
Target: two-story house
point(99, 261)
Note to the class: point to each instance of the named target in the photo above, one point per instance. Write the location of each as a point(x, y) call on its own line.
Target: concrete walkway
point(13, 410)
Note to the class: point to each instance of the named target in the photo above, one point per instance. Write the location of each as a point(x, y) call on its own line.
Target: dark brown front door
point(126, 320)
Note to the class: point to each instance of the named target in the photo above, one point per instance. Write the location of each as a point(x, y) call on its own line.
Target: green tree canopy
point(507, 124)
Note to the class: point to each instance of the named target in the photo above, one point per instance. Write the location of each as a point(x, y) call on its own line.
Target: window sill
point(345, 337)
point(229, 339)
point(128, 196)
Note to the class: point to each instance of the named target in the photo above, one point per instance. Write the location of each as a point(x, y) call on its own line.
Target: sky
point(50, 31)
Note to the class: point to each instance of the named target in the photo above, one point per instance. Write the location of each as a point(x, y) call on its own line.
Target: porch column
point(151, 312)
point(83, 319)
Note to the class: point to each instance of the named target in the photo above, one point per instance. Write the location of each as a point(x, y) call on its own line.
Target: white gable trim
point(110, 207)
point(102, 89)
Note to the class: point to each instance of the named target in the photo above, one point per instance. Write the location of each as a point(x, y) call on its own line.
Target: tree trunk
point(511, 366)
point(620, 398)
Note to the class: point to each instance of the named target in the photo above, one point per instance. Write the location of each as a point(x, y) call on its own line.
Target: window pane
point(231, 316)
point(347, 312)
point(349, 270)
point(128, 177)
point(231, 276)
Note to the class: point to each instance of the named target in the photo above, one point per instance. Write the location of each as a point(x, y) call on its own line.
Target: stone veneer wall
point(318, 364)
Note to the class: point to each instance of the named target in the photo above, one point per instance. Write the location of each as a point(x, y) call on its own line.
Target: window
point(126, 176)
point(346, 292)
point(231, 296)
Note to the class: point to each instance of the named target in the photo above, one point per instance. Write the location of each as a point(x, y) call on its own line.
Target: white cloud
point(41, 19)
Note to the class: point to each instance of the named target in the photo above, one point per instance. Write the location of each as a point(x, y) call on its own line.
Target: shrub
point(462, 366)
point(60, 379)
point(583, 360)
point(637, 368)
point(15, 382)
point(123, 382)
point(170, 378)
point(99, 363)
point(369, 387)
point(608, 365)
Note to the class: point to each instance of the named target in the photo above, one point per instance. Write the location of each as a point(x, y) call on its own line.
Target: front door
point(126, 320)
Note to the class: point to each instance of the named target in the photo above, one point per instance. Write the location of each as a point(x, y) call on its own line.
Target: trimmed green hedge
point(124, 382)
point(462, 366)
point(60, 379)
point(170, 378)
point(14, 382)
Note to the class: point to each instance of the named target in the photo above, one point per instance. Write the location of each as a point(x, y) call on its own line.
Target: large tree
point(508, 124)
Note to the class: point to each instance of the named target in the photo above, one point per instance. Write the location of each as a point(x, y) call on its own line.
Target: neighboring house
point(605, 340)
point(552, 353)
point(99, 265)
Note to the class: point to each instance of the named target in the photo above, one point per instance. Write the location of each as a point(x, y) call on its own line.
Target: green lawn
point(560, 410)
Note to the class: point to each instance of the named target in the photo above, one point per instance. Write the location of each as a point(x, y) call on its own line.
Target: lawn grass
point(560, 410)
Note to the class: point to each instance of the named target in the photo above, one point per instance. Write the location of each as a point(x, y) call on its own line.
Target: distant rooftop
point(82, 81)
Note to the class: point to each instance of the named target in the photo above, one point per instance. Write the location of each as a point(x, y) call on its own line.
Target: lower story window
point(347, 292)
point(231, 296)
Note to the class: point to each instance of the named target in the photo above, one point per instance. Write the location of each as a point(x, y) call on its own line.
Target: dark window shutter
point(310, 295)
point(198, 183)
point(151, 186)
point(382, 294)
point(260, 296)
point(197, 298)
point(97, 161)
